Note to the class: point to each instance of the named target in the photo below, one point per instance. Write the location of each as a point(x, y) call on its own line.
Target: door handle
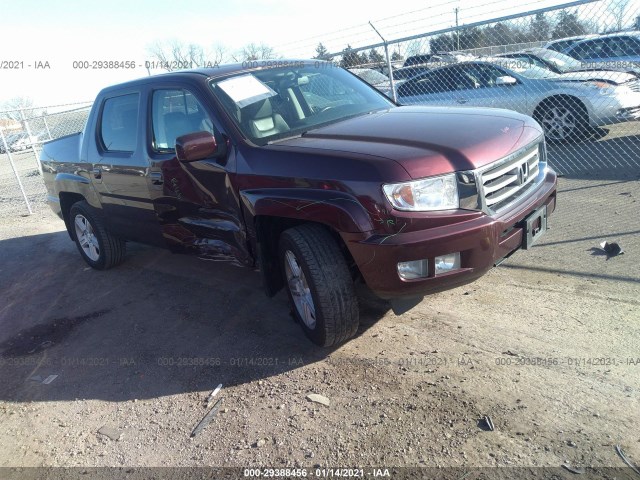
point(461, 100)
point(97, 173)
point(156, 178)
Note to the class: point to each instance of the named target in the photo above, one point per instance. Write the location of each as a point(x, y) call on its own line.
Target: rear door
point(119, 168)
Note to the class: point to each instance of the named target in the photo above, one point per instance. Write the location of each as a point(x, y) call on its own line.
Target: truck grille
point(504, 181)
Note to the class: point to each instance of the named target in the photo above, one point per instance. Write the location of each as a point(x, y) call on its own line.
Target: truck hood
point(425, 141)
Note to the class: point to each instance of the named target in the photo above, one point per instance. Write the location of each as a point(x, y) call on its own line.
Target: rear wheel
point(319, 284)
point(562, 119)
point(99, 248)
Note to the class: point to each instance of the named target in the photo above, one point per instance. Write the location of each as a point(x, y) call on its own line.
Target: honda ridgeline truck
point(305, 172)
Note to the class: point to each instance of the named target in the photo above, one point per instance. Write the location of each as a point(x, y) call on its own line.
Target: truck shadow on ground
point(158, 325)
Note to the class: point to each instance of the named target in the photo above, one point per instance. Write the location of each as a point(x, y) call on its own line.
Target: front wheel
point(562, 120)
point(319, 284)
point(99, 248)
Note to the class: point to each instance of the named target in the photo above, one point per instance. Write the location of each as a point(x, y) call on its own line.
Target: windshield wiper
point(298, 135)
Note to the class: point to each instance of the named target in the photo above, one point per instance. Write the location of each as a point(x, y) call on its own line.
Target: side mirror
point(506, 80)
point(198, 146)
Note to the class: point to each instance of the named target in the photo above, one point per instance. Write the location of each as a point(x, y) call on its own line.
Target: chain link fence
point(23, 132)
point(574, 67)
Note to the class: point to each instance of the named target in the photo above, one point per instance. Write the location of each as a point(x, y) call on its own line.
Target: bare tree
point(174, 55)
point(18, 108)
point(618, 10)
point(253, 51)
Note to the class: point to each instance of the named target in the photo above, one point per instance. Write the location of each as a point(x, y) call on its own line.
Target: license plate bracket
point(535, 226)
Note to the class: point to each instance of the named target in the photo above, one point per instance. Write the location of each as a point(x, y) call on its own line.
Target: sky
point(54, 35)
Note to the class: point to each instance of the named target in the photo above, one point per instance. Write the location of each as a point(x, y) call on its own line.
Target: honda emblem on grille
point(523, 173)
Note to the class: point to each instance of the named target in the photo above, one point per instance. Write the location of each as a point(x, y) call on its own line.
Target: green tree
point(500, 34)
point(442, 43)
point(322, 53)
point(568, 25)
point(471, 38)
point(539, 29)
point(375, 57)
point(350, 58)
point(396, 57)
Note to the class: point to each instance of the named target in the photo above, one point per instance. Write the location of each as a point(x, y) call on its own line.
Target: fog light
point(447, 263)
point(413, 269)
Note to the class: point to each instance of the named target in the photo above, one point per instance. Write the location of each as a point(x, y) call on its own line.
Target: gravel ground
point(546, 346)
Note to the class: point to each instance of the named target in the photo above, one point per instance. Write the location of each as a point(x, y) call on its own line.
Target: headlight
point(603, 88)
point(435, 193)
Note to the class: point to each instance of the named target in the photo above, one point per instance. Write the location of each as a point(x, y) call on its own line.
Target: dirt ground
point(547, 346)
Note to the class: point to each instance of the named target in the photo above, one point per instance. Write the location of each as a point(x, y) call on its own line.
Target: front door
point(196, 206)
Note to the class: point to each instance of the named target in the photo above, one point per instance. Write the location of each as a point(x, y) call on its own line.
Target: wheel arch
point(561, 97)
point(67, 199)
point(268, 229)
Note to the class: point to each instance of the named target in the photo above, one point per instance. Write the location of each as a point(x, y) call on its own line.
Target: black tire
point(110, 249)
point(555, 114)
point(328, 281)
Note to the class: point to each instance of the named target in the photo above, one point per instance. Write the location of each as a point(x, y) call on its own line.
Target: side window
point(630, 47)
point(119, 123)
point(175, 113)
point(486, 75)
point(461, 78)
point(432, 83)
point(589, 49)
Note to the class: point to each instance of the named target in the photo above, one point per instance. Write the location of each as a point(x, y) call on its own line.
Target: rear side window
point(176, 113)
point(119, 123)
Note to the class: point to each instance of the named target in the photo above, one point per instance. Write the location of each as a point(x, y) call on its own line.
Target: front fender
point(338, 210)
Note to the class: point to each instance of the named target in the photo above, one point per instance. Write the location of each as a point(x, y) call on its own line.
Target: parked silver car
point(617, 50)
point(562, 44)
point(374, 78)
point(560, 63)
point(564, 105)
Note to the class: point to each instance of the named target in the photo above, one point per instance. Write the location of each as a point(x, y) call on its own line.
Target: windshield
point(276, 103)
point(562, 62)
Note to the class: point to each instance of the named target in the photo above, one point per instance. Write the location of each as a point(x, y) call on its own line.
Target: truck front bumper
point(481, 242)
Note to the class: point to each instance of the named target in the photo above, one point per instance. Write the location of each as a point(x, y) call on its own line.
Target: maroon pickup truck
point(305, 172)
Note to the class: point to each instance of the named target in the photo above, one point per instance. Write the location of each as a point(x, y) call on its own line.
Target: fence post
point(46, 125)
point(25, 122)
point(15, 172)
point(392, 84)
point(386, 53)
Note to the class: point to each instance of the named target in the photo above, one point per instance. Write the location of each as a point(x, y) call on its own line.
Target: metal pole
point(15, 172)
point(33, 146)
point(457, 31)
point(386, 52)
point(46, 125)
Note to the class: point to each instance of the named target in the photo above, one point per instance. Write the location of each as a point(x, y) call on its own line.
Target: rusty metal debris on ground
point(212, 394)
point(206, 419)
point(624, 458)
point(611, 249)
point(488, 423)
